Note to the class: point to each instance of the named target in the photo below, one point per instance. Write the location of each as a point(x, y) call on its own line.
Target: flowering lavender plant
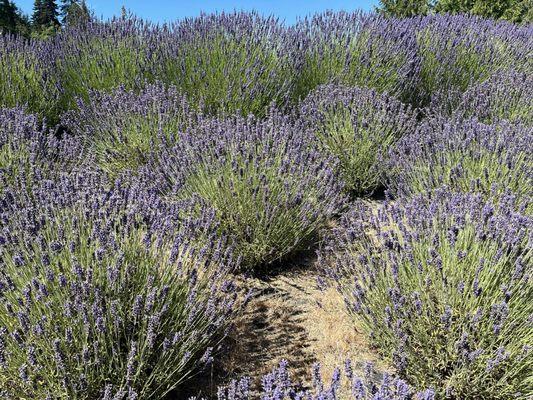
point(357, 126)
point(121, 129)
point(270, 188)
point(465, 155)
point(345, 384)
point(443, 288)
point(27, 75)
point(505, 96)
point(457, 51)
point(28, 151)
point(103, 56)
point(105, 295)
point(227, 62)
point(355, 49)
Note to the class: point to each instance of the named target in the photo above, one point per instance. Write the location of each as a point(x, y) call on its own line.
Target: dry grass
point(290, 318)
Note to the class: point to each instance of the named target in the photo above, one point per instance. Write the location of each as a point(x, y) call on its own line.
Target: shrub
point(103, 56)
point(355, 49)
point(466, 156)
point(458, 51)
point(443, 290)
point(270, 189)
point(357, 126)
point(103, 299)
point(227, 62)
point(122, 128)
point(344, 385)
point(28, 152)
point(504, 96)
point(27, 75)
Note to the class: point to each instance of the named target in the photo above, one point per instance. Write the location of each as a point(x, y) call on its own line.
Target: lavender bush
point(29, 152)
point(227, 62)
point(355, 49)
point(122, 128)
point(105, 295)
point(504, 96)
point(465, 155)
point(457, 51)
point(269, 186)
point(278, 385)
point(443, 288)
point(103, 56)
point(27, 75)
point(357, 126)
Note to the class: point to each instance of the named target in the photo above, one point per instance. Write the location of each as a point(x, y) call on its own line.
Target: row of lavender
point(245, 62)
point(116, 241)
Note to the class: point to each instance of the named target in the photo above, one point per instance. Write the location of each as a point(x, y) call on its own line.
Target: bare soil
point(289, 317)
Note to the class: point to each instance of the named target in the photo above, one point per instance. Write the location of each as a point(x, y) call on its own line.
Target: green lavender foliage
point(357, 126)
point(355, 49)
point(28, 79)
point(467, 156)
point(98, 305)
point(121, 130)
point(102, 56)
point(270, 189)
point(442, 286)
point(228, 62)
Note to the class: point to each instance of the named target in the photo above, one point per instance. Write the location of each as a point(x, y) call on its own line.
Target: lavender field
point(228, 207)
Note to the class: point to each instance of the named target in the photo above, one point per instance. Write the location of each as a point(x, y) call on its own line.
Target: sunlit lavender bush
point(355, 49)
point(29, 152)
point(27, 75)
point(344, 384)
point(465, 155)
point(270, 187)
point(457, 51)
point(121, 129)
point(443, 289)
point(103, 56)
point(105, 295)
point(357, 126)
point(507, 96)
point(227, 62)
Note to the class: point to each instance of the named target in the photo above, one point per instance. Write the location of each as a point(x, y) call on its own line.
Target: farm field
point(228, 207)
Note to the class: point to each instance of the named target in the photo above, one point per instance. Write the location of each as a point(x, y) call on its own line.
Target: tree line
point(47, 17)
point(511, 10)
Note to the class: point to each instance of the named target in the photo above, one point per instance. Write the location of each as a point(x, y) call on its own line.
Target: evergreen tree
point(45, 14)
point(8, 16)
point(512, 10)
point(37, 16)
point(23, 24)
point(74, 12)
point(51, 13)
point(404, 8)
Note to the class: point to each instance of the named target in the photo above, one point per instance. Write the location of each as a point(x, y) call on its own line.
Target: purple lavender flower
point(357, 126)
point(122, 129)
point(466, 156)
point(425, 295)
point(83, 320)
point(269, 186)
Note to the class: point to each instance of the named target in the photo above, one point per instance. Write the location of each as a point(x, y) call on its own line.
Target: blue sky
point(167, 10)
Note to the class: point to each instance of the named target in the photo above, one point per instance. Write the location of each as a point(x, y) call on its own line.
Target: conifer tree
point(8, 16)
point(404, 8)
point(74, 12)
point(45, 14)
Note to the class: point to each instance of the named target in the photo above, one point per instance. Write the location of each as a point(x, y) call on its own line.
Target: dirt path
point(290, 318)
